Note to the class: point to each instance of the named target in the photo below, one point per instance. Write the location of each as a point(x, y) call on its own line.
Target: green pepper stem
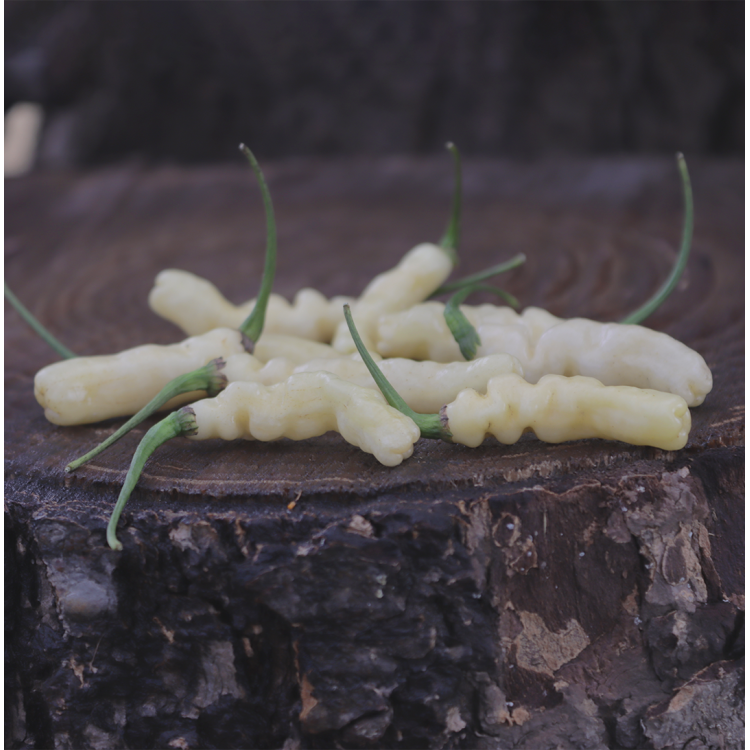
point(429, 425)
point(61, 349)
point(449, 241)
point(464, 333)
point(208, 378)
point(666, 289)
point(180, 422)
point(252, 326)
point(480, 276)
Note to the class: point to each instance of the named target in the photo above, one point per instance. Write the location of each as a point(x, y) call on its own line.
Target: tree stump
point(301, 595)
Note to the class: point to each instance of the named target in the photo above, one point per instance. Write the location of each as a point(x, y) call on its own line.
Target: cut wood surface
point(524, 596)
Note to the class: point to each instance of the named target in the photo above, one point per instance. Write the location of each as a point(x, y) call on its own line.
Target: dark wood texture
point(300, 594)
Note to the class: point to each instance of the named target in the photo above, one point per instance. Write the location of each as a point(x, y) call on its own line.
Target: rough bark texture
point(583, 595)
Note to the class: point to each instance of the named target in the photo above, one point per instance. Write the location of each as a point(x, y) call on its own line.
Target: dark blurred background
point(187, 81)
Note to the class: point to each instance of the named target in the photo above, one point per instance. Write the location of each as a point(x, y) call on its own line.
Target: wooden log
point(582, 595)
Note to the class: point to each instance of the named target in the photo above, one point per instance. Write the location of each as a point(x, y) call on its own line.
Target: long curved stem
point(180, 422)
point(252, 326)
point(449, 241)
point(429, 425)
point(61, 349)
point(476, 278)
point(668, 286)
point(208, 378)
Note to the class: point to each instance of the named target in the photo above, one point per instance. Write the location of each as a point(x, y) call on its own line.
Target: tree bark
point(300, 595)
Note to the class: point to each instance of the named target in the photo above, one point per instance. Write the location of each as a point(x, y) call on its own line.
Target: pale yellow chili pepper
point(613, 353)
point(303, 406)
point(421, 271)
point(556, 409)
point(293, 348)
point(307, 405)
point(195, 305)
point(425, 386)
point(90, 389)
point(559, 408)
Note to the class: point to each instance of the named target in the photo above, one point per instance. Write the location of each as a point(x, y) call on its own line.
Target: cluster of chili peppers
point(459, 373)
